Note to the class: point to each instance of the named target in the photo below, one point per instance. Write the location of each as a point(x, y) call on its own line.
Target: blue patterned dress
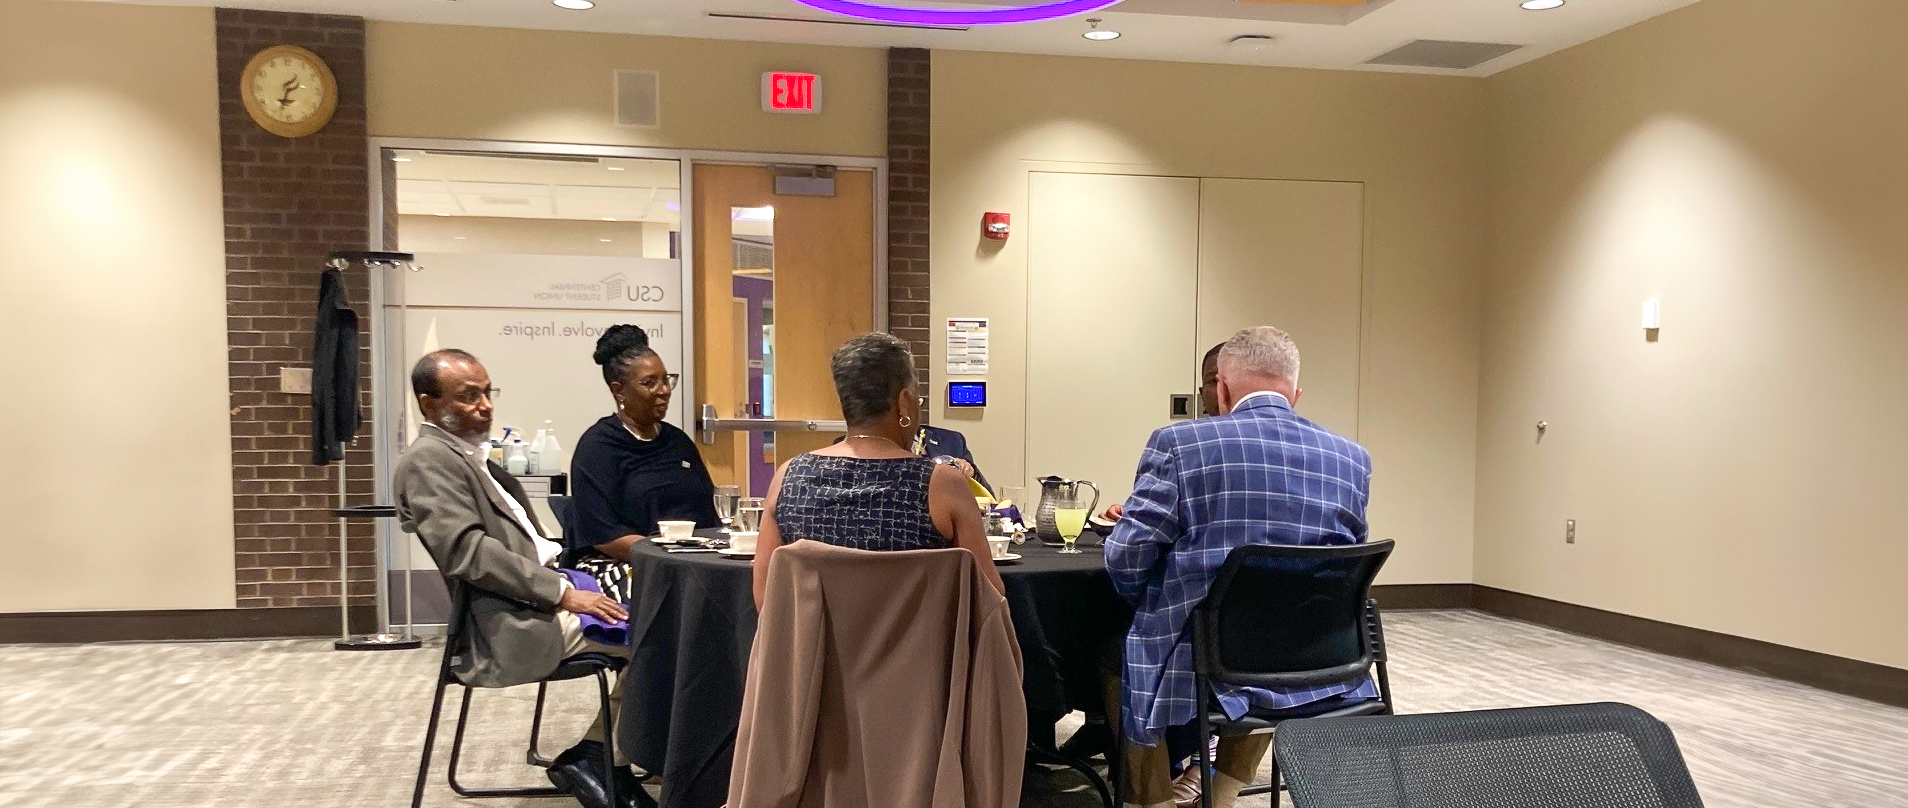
point(864, 504)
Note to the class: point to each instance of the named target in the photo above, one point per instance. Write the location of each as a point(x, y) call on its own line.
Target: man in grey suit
point(523, 615)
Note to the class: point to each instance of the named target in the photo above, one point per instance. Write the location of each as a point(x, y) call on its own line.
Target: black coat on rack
point(334, 372)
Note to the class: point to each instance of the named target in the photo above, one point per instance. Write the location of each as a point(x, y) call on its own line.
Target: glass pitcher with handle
point(1064, 508)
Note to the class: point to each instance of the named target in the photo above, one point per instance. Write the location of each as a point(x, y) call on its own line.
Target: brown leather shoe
point(1186, 787)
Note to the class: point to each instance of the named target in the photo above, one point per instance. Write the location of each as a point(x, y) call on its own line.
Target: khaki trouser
point(575, 643)
point(1149, 776)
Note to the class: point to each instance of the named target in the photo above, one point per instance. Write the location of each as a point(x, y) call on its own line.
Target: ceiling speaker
point(638, 98)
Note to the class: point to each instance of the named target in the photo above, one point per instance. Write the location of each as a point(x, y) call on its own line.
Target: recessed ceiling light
point(459, 238)
point(441, 214)
point(400, 159)
point(1098, 34)
point(573, 5)
point(609, 218)
point(604, 240)
point(615, 168)
point(1541, 5)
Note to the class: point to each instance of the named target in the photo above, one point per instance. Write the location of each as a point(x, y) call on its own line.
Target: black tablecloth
point(1066, 615)
point(693, 620)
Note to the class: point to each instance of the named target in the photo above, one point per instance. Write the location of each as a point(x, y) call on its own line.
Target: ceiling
point(1328, 34)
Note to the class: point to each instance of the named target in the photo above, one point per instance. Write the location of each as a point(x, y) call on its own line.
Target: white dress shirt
point(547, 551)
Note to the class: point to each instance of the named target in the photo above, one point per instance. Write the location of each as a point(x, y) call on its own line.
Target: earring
point(620, 405)
point(906, 422)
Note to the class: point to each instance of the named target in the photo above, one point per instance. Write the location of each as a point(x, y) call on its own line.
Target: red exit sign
point(791, 92)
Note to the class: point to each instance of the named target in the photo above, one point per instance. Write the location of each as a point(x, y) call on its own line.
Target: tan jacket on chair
point(880, 680)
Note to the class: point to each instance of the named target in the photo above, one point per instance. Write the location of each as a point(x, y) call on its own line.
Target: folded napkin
point(596, 629)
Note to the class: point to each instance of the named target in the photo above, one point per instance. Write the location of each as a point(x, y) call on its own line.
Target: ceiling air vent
point(1443, 54)
point(638, 98)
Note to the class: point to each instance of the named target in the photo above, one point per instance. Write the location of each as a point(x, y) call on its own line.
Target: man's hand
point(960, 465)
point(581, 602)
point(1112, 512)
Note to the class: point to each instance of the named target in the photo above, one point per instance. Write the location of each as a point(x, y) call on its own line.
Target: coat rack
point(343, 388)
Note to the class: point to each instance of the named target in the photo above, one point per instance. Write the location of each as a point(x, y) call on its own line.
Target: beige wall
point(490, 234)
point(1741, 161)
point(439, 81)
point(118, 480)
point(1414, 141)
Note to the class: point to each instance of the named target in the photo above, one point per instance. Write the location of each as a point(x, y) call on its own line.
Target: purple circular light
point(1052, 9)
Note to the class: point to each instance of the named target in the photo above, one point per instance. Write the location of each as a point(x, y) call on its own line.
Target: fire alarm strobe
point(996, 225)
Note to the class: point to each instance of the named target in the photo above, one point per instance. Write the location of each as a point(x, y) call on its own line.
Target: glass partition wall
point(527, 252)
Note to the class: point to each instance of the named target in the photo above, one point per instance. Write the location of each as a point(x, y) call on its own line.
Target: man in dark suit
point(523, 615)
point(939, 442)
point(1258, 475)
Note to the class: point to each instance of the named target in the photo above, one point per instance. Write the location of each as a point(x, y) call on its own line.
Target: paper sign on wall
point(967, 346)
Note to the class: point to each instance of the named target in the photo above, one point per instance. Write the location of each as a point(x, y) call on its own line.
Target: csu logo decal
point(618, 287)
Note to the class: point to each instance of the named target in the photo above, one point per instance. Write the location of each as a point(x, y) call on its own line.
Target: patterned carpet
point(292, 722)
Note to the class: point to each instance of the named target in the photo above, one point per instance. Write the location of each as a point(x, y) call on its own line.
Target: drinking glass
point(1069, 521)
point(749, 514)
point(725, 502)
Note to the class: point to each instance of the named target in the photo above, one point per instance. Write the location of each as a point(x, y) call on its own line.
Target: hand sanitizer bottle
point(548, 453)
point(536, 452)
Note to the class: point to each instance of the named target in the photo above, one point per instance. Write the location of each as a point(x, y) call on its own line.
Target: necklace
point(632, 432)
point(876, 437)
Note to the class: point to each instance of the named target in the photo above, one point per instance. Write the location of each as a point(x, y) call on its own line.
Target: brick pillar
point(289, 202)
point(908, 108)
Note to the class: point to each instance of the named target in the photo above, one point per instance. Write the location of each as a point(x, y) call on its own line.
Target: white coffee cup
point(998, 545)
point(675, 530)
point(743, 542)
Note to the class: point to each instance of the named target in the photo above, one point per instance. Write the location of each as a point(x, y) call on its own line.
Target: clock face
point(288, 91)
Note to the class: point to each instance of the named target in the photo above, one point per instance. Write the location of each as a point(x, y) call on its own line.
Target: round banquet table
point(692, 621)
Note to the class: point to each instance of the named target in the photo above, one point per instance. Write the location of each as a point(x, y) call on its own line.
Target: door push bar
point(709, 424)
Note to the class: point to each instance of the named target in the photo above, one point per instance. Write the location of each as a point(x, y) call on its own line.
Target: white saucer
point(1008, 557)
point(734, 553)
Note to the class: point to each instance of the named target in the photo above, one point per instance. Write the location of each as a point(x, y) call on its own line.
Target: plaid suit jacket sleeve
point(1151, 522)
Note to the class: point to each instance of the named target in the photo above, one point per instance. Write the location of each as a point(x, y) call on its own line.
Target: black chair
point(576, 667)
point(1571, 756)
point(560, 508)
point(1281, 616)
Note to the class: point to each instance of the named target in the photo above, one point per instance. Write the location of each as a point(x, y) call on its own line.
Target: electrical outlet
point(1570, 531)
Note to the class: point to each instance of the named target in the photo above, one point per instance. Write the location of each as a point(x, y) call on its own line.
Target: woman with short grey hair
point(870, 491)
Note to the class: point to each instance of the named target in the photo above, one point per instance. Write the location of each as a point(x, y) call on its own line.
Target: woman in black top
point(631, 469)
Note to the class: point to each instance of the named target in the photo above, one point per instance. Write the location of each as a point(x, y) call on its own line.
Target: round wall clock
point(288, 91)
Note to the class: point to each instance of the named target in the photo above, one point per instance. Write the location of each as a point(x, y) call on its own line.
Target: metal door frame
point(387, 404)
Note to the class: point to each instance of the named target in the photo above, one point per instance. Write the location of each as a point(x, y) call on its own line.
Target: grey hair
point(870, 372)
point(1262, 351)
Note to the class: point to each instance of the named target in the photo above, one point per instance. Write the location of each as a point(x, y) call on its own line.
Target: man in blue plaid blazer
point(1257, 475)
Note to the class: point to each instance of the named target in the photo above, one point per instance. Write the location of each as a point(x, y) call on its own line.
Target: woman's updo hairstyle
point(618, 348)
point(870, 372)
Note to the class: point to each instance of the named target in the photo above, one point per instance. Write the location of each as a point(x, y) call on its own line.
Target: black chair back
point(1290, 616)
point(1570, 756)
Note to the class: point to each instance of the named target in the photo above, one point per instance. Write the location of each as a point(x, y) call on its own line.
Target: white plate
point(734, 553)
point(1008, 557)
